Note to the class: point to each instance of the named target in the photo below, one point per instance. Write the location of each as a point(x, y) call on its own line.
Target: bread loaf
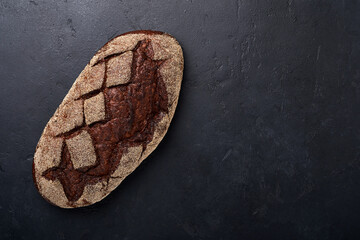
point(115, 114)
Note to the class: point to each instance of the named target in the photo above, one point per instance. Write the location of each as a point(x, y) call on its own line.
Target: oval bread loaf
point(115, 114)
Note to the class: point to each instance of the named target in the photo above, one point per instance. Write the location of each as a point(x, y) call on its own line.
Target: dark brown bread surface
point(113, 117)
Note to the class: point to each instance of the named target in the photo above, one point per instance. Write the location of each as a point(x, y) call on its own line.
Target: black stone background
point(265, 142)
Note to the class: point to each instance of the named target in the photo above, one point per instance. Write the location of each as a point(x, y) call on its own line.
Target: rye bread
point(114, 115)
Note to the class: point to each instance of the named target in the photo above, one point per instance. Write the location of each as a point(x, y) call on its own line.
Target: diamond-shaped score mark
point(94, 109)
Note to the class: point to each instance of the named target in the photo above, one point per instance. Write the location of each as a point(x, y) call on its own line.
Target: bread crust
point(64, 122)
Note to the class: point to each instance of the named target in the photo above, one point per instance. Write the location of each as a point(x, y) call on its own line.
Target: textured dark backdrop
point(265, 143)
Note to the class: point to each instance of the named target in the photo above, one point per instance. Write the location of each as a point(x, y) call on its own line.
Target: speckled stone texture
point(265, 140)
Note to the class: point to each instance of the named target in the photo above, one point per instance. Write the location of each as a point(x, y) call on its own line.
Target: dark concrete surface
point(265, 143)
